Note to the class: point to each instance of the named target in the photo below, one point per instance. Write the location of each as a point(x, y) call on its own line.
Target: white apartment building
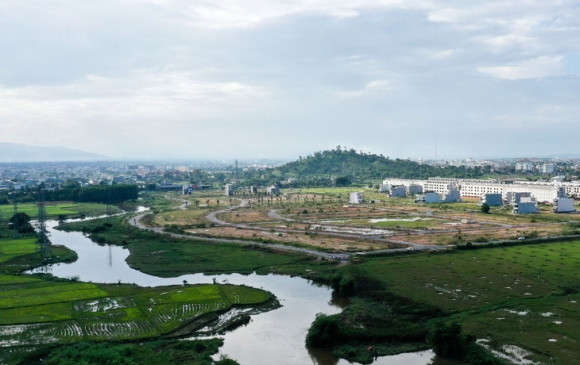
point(355, 198)
point(543, 191)
point(524, 166)
point(229, 189)
point(549, 168)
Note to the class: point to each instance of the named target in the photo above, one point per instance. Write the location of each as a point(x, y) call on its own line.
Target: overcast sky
point(279, 79)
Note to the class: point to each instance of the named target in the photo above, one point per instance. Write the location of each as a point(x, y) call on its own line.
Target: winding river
point(276, 337)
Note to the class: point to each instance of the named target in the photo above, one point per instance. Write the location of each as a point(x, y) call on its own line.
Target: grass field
point(11, 248)
point(522, 295)
point(54, 209)
point(181, 217)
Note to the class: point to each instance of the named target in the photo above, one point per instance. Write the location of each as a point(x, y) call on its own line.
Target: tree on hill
point(316, 169)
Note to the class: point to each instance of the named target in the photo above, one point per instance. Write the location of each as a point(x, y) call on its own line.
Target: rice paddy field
point(39, 309)
point(524, 296)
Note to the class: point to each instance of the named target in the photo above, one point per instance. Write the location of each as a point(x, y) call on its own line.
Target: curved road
point(135, 221)
point(212, 217)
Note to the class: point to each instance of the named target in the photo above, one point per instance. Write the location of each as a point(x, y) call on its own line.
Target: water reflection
point(322, 356)
point(276, 337)
point(338, 300)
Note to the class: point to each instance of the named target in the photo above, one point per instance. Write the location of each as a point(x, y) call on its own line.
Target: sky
point(280, 79)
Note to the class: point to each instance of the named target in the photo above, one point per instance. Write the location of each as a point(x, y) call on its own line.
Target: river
point(275, 337)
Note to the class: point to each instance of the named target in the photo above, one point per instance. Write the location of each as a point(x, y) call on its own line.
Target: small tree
point(485, 208)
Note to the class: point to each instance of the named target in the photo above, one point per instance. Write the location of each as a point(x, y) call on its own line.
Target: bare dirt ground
point(317, 240)
point(473, 235)
point(239, 216)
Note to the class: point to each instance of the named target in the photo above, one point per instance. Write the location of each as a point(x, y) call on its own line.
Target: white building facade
point(542, 191)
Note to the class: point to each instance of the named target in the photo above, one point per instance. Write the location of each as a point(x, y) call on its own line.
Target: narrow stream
point(275, 337)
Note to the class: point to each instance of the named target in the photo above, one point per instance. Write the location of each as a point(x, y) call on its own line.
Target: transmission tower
point(15, 220)
point(43, 245)
point(237, 170)
point(108, 198)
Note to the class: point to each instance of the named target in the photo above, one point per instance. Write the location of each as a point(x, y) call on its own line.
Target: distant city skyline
point(61, 153)
point(174, 79)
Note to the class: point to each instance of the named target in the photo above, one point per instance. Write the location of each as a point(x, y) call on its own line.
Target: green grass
point(480, 286)
point(161, 352)
point(164, 256)
point(53, 210)
point(12, 248)
point(54, 293)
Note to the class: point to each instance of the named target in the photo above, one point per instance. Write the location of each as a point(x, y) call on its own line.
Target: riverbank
point(41, 310)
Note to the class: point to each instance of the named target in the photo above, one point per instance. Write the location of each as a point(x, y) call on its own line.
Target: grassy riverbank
point(159, 352)
point(38, 310)
point(164, 256)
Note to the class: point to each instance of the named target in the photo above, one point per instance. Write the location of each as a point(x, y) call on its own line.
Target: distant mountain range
point(13, 152)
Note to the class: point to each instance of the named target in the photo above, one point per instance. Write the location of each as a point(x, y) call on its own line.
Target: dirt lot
point(467, 235)
point(316, 240)
point(246, 217)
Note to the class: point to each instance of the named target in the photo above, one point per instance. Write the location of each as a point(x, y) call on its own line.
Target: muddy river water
point(276, 337)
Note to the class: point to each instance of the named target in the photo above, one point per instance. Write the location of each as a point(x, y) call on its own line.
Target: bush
point(344, 284)
point(447, 340)
point(99, 229)
point(324, 331)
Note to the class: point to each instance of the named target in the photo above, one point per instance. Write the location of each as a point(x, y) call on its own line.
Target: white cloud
point(529, 69)
point(97, 111)
point(236, 14)
point(162, 72)
point(372, 88)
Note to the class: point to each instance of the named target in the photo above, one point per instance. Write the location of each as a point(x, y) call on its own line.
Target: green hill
point(348, 166)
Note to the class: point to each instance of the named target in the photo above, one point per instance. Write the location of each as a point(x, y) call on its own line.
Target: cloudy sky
point(278, 79)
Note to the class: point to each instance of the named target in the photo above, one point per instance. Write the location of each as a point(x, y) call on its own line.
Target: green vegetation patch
point(164, 256)
point(54, 210)
point(41, 309)
point(12, 248)
point(522, 295)
point(161, 352)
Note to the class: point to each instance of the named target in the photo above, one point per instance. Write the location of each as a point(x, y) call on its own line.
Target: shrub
point(324, 331)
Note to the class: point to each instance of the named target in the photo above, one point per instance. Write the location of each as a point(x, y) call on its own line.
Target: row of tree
point(112, 194)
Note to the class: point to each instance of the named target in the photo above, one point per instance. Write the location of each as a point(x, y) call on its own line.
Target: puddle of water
point(514, 354)
point(399, 220)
